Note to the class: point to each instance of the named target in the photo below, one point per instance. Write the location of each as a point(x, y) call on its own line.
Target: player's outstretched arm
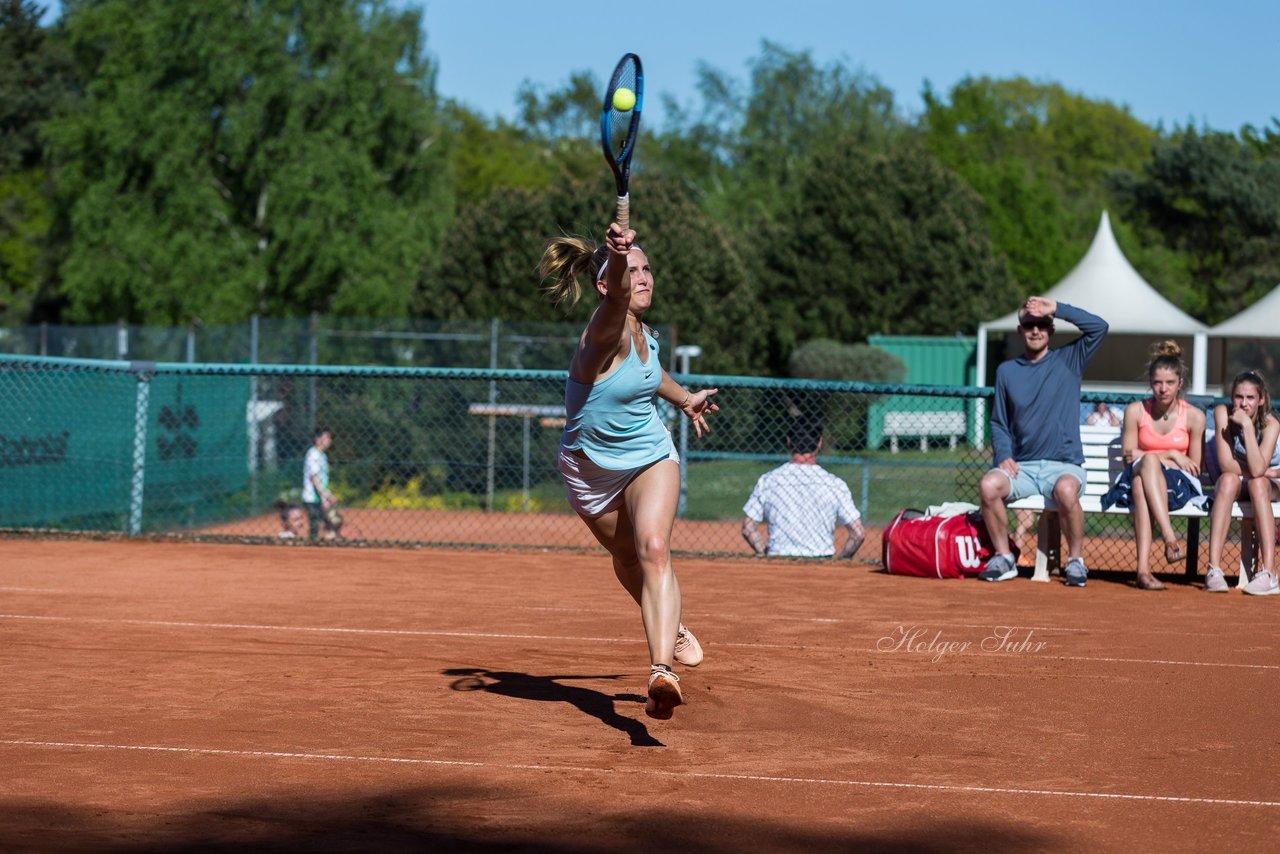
point(694, 404)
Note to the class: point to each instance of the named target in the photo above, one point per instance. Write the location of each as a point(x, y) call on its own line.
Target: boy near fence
point(316, 496)
point(1035, 433)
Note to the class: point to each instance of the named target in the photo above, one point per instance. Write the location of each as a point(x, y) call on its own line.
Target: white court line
point(988, 626)
point(185, 624)
point(873, 622)
point(872, 625)
point(911, 654)
point(755, 778)
point(927, 654)
point(772, 619)
point(1167, 661)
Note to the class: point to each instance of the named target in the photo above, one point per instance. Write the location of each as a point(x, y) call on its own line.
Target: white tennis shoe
point(1215, 581)
point(664, 693)
point(688, 651)
point(1263, 583)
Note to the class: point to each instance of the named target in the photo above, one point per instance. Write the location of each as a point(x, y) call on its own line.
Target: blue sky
point(1173, 62)
point(1177, 62)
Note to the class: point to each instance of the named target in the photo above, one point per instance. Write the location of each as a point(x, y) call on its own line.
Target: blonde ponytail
point(566, 258)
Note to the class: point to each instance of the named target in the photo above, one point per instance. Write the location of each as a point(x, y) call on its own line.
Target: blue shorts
point(1039, 477)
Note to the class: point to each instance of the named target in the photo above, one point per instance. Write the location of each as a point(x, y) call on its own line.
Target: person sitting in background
point(802, 504)
point(293, 522)
point(1035, 432)
point(1162, 444)
point(1102, 415)
point(1244, 439)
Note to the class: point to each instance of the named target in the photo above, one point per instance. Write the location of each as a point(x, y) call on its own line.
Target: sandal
point(1148, 583)
point(1173, 552)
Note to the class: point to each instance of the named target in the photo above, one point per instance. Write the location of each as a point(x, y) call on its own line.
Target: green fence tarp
point(67, 442)
point(197, 440)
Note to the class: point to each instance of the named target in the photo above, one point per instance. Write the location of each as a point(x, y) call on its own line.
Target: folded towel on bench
point(1183, 490)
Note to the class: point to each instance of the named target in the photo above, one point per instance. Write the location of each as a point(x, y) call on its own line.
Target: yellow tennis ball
point(624, 99)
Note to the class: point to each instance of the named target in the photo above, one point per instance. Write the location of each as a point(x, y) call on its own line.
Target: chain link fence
point(450, 455)
point(314, 340)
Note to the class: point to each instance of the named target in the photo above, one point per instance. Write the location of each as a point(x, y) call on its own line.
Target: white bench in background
point(923, 425)
point(547, 415)
point(1103, 460)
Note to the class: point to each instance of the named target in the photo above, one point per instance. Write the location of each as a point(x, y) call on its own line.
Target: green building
point(930, 360)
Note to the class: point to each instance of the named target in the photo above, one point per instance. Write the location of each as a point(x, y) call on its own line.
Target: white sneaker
point(664, 693)
point(1215, 581)
point(688, 651)
point(1264, 583)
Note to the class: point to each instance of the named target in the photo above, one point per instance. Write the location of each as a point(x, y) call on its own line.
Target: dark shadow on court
point(441, 819)
point(1120, 577)
point(525, 686)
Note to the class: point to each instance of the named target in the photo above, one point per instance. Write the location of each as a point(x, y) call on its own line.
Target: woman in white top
point(1244, 438)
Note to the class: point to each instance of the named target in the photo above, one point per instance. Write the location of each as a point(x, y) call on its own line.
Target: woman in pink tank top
point(1161, 434)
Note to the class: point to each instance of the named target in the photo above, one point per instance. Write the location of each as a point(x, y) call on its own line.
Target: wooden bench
point(923, 425)
point(1103, 460)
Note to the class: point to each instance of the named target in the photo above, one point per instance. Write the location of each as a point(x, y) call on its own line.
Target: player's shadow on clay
point(526, 686)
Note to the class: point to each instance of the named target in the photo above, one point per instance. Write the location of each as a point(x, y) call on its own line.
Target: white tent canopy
point(1260, 320)
point(1105, 282)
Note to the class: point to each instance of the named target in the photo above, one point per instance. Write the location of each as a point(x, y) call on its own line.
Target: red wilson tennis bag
point(936, 546)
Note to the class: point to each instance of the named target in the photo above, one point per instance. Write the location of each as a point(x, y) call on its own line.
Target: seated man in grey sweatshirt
point(1035, 432)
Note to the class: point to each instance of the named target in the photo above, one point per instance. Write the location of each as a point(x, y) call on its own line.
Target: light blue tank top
point(614, 421)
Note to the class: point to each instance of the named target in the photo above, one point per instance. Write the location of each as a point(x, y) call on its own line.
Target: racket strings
point(620, 122)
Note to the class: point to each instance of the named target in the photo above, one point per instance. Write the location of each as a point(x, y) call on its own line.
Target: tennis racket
point(618, 129)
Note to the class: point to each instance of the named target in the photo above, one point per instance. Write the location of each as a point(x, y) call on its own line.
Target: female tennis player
point(616, 458)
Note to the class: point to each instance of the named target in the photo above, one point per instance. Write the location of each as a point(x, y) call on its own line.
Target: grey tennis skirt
point(594, 491)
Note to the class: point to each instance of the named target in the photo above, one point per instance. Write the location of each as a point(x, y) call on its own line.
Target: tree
point(555, 139)
point(34, 84)
point(1215, 198)
point(281, 156)
point(824, 359)
point(748, 151)
point(1264, 142)
point(845, 415)
point(570, 113)
point(1039, 157)
point(878, 243)
point(489, 263)
point(25, 219)
point(34, 71)
point(488, 154)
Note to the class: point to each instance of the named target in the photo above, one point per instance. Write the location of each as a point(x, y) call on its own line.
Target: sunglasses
point(1037, 323)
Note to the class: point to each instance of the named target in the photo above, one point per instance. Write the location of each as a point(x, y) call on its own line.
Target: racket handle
point(622, 211)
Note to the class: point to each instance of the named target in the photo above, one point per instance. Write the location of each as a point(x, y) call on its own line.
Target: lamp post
point(684, 353)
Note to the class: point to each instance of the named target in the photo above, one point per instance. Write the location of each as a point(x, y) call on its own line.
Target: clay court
point(1113, 552)
point(174, 696)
